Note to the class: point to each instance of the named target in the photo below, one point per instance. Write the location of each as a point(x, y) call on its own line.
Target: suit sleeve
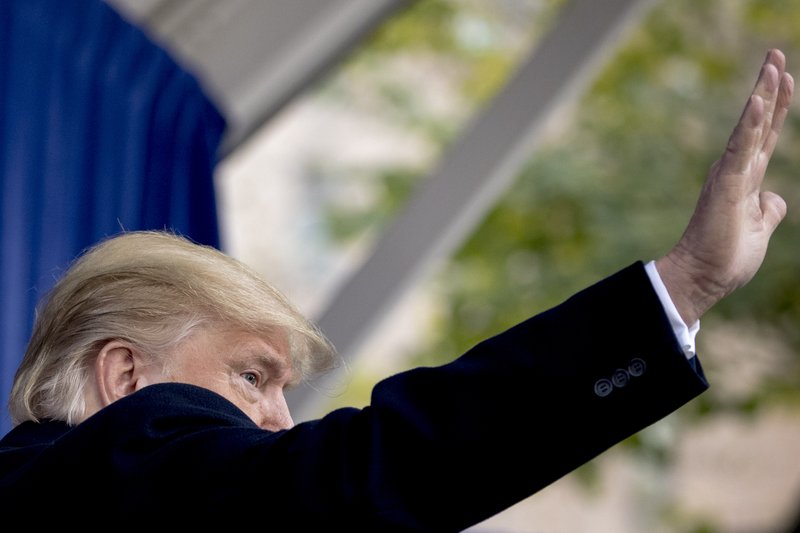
point(442, 448)
point(438, 449)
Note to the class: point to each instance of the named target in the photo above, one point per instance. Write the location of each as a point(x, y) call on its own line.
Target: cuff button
point(603, 387)
point(620, 377)
point(637, 367)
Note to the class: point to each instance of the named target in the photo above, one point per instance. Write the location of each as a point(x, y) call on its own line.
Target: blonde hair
point(151, 289)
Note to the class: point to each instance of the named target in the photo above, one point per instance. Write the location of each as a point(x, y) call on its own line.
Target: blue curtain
point(100, 131)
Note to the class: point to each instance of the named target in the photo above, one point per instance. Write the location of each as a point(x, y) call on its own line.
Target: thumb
point(773, 208)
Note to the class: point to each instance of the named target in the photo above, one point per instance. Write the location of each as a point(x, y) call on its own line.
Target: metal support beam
point(254, 56)
point(476, 170)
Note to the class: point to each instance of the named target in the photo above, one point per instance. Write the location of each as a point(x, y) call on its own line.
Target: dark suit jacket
point(438, 449)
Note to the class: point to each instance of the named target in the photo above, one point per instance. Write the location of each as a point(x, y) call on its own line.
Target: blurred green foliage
point(614, 182)
point(618, 179)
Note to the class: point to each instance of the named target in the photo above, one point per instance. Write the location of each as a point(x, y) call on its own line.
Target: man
point(153, 382)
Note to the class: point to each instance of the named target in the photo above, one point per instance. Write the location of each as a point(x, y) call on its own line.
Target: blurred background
point(420, 175)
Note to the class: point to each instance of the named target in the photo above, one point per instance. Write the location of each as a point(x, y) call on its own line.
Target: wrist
point(685, 287)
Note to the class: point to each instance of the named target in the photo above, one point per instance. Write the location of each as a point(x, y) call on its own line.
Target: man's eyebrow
point(271, 362)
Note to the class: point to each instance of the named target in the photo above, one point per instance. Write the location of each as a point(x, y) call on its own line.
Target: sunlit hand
point(727, 236)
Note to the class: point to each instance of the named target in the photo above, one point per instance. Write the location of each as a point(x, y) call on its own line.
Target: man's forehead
point(228, 340)
point(270, 348)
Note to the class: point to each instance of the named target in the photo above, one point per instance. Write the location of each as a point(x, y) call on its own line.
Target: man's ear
point(119, 371)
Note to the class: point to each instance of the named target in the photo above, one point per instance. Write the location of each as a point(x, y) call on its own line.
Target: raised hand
point(727, 236)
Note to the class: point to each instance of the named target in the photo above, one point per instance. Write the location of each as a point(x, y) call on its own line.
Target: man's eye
point(251, 377)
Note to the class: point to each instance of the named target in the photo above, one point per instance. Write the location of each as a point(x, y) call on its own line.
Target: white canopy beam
point(254, 56)
point(475, 171)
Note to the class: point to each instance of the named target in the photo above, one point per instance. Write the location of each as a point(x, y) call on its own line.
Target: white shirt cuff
point(685, 334)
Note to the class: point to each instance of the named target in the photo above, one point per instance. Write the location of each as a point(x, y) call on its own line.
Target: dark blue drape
point(99, 131)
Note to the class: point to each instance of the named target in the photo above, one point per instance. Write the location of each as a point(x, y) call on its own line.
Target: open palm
point(727, 236)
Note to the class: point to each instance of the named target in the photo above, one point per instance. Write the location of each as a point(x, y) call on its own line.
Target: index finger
point(785, 94)
point(768, 87)
point(755, 130)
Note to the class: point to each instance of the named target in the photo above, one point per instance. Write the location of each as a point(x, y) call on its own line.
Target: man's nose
point(277, 416)
point(286, 420)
